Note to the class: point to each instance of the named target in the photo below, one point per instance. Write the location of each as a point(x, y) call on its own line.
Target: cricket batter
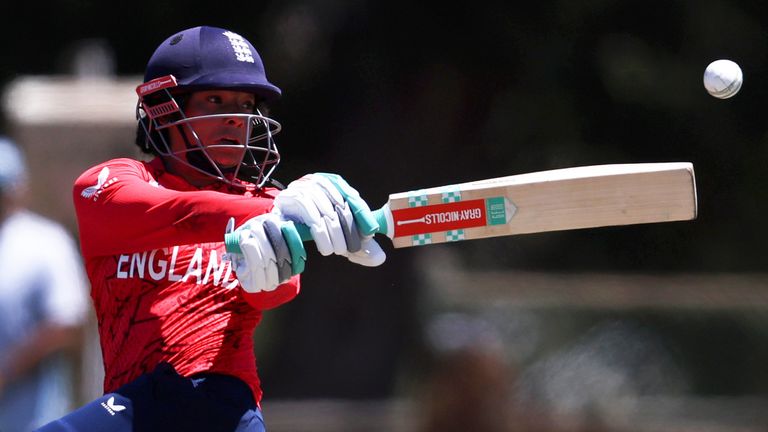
point(176, 314)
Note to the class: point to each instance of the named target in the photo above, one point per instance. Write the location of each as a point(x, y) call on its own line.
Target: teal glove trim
point(295, 245)
point(381, 219)
point(378, 215)
point(293, 235)
point(364, 218)
point(232, 242)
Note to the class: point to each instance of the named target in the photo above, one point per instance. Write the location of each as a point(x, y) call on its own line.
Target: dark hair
point(142, 140)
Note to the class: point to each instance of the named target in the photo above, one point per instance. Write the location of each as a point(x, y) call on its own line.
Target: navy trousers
point(165, 401)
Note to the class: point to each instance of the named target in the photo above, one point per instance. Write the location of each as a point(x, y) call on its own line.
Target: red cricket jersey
point(152, 245)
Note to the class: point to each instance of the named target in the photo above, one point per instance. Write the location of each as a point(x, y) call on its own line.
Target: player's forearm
point(135, 218)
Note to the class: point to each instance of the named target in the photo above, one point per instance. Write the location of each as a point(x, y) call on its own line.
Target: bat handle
point(379, 215)
point(232, 240)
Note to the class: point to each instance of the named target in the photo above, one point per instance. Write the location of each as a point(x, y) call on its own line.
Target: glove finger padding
point(351, 235)
point(260, 264)
point(339, 220)
point(271, 252)
point(364, 219)
point(315, 202)
point(280, 247)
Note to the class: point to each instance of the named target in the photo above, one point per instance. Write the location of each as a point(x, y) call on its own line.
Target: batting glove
point(265, 252)
point(339, 220)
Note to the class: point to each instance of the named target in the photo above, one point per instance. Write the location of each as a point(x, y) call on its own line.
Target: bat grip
point(232, 239)
point(378, 215)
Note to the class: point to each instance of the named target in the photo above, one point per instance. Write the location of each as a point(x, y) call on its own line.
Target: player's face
point(221, 131)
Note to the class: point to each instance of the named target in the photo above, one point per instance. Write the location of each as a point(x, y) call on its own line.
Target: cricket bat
point(554, 200)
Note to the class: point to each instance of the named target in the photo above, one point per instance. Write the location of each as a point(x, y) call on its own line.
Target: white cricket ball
point(723, 78)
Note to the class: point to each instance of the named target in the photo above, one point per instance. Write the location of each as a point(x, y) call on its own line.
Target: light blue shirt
point(41, 280)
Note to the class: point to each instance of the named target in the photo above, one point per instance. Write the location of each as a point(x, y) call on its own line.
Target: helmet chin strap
point(250, 174)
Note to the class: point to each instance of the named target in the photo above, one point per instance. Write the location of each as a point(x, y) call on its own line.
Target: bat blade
point(555, 200)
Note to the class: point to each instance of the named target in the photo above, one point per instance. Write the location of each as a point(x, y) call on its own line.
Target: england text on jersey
point(160, 264)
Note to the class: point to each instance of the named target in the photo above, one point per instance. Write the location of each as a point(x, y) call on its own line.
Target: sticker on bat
point(452, 216)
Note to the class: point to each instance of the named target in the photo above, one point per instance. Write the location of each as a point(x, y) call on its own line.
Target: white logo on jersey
point(101, 184)
point(242, 50)
point(111, 407)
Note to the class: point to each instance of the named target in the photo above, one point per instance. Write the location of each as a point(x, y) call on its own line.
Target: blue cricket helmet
point(211, 57)
point(199, 59)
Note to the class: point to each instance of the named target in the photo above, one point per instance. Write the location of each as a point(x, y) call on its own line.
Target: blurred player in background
point(43, 305)
point(176, 313)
